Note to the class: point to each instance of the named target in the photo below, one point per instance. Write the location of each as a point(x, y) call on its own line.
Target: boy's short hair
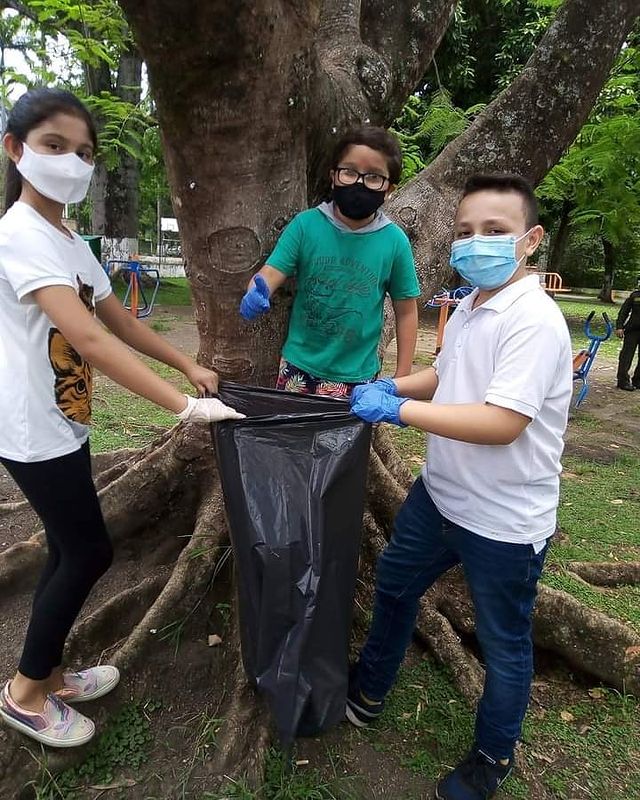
point(377, 139)
point(506, 182)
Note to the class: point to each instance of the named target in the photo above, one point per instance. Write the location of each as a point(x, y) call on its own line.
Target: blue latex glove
point(256, 300)
point(375, 405)
point(386, 385)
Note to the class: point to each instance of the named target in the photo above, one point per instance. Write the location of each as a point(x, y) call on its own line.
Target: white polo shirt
point(513, 351)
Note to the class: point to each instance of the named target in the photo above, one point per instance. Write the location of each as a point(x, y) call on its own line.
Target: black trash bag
point(293, 475)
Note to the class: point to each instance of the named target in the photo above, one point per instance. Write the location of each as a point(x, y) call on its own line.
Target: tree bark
point(248, 96)
point(525, 129)
point(606, 293)
point(114, 192)
point(560, 240)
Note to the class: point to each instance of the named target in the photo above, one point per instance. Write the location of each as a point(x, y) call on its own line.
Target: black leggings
point(62, 493)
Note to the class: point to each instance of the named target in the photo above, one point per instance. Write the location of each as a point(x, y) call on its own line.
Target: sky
point(58, 54)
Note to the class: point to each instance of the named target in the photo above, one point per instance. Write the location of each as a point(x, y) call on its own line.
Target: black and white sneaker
point(360, 712)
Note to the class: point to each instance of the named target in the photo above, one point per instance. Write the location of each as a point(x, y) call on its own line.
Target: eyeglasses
point(347, 177)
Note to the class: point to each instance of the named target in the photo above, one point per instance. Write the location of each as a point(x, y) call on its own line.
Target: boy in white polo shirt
point(500, 392)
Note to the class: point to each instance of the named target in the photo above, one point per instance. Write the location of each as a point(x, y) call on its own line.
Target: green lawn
point(121, 419)
point(172, 291)
point(576, 312)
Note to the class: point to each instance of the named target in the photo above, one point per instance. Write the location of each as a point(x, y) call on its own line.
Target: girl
point(51, 286)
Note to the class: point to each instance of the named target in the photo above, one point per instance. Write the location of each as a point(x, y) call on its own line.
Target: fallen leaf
point(542, 757)
point(566, 716)
point(584, 729)
point(596, 693)
point(126, 783)
point(214, 640)
point(616, 502)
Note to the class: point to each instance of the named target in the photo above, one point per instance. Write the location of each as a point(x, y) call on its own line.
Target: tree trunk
point(249, 97)
point(114, 192)
point(560, 240)
point(606, 293)
point(525, 129)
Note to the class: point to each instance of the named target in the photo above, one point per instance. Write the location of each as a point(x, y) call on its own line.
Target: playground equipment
point(138, 299)
point(446, 299)
point(551, 282)
point(583, 360)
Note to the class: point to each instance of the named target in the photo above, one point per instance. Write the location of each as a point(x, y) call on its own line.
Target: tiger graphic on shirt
point(73, 375)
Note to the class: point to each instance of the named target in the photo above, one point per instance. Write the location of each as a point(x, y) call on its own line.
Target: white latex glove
point(207, 409)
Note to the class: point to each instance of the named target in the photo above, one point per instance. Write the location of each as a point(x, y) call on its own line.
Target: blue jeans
point(502, 578)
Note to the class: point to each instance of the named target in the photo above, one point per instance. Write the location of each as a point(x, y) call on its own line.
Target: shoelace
point(480, 773)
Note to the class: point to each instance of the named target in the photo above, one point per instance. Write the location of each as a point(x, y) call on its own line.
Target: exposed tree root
point(609, 574)
point(129, 500)
point(192, 571)
point(143, 494)
point(95, 632)
point(586, 638)
point(12, 507)
point(384, 494)
point(245, 735)
point(589, 640)
point(384, 447)
point(21, 563)
point(436, 632)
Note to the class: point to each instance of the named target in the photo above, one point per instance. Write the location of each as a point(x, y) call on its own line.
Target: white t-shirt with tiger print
point(45, 385)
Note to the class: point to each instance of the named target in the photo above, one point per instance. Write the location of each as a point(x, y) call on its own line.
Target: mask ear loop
point(519, 239)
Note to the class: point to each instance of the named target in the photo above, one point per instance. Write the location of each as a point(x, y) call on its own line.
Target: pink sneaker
point(58, 725)
point(88, 684)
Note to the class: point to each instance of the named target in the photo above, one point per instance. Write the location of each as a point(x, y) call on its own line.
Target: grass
point(172, 291)
point(433, 721)
point(284, 781)
point(599, 511)
point(588, 747)
point(121, 419)
point(124, 745)
point(160, 326)
point(411, 444)
point(576, 312)
point(594, 747)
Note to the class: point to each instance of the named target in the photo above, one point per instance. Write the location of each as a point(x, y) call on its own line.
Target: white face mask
point(64, 179)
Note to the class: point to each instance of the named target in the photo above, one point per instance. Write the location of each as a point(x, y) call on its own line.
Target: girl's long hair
point(32, 109)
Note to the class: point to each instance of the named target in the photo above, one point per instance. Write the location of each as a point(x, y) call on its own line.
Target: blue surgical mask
point(486, 261)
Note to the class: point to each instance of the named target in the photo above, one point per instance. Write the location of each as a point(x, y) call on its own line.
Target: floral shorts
point(294, 379)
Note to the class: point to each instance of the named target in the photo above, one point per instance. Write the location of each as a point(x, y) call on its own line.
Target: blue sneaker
point(359, 711)
point(477, 777)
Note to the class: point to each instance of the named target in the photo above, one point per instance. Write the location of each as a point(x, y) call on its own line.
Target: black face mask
point(356, 201)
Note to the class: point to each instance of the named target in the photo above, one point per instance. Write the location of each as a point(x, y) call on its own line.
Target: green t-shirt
point(341, 282)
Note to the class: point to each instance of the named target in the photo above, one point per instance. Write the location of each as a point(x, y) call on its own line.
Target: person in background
point(51, 288)
point(346, 256)
point(495, 405)
point(628, 329)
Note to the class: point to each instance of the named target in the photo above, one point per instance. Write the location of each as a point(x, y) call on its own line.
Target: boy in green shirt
point(346, 256)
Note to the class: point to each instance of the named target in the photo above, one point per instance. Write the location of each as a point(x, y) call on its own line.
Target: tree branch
point(406, 34)
point(353, 77)
point(362, 72)
point(525, 129)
